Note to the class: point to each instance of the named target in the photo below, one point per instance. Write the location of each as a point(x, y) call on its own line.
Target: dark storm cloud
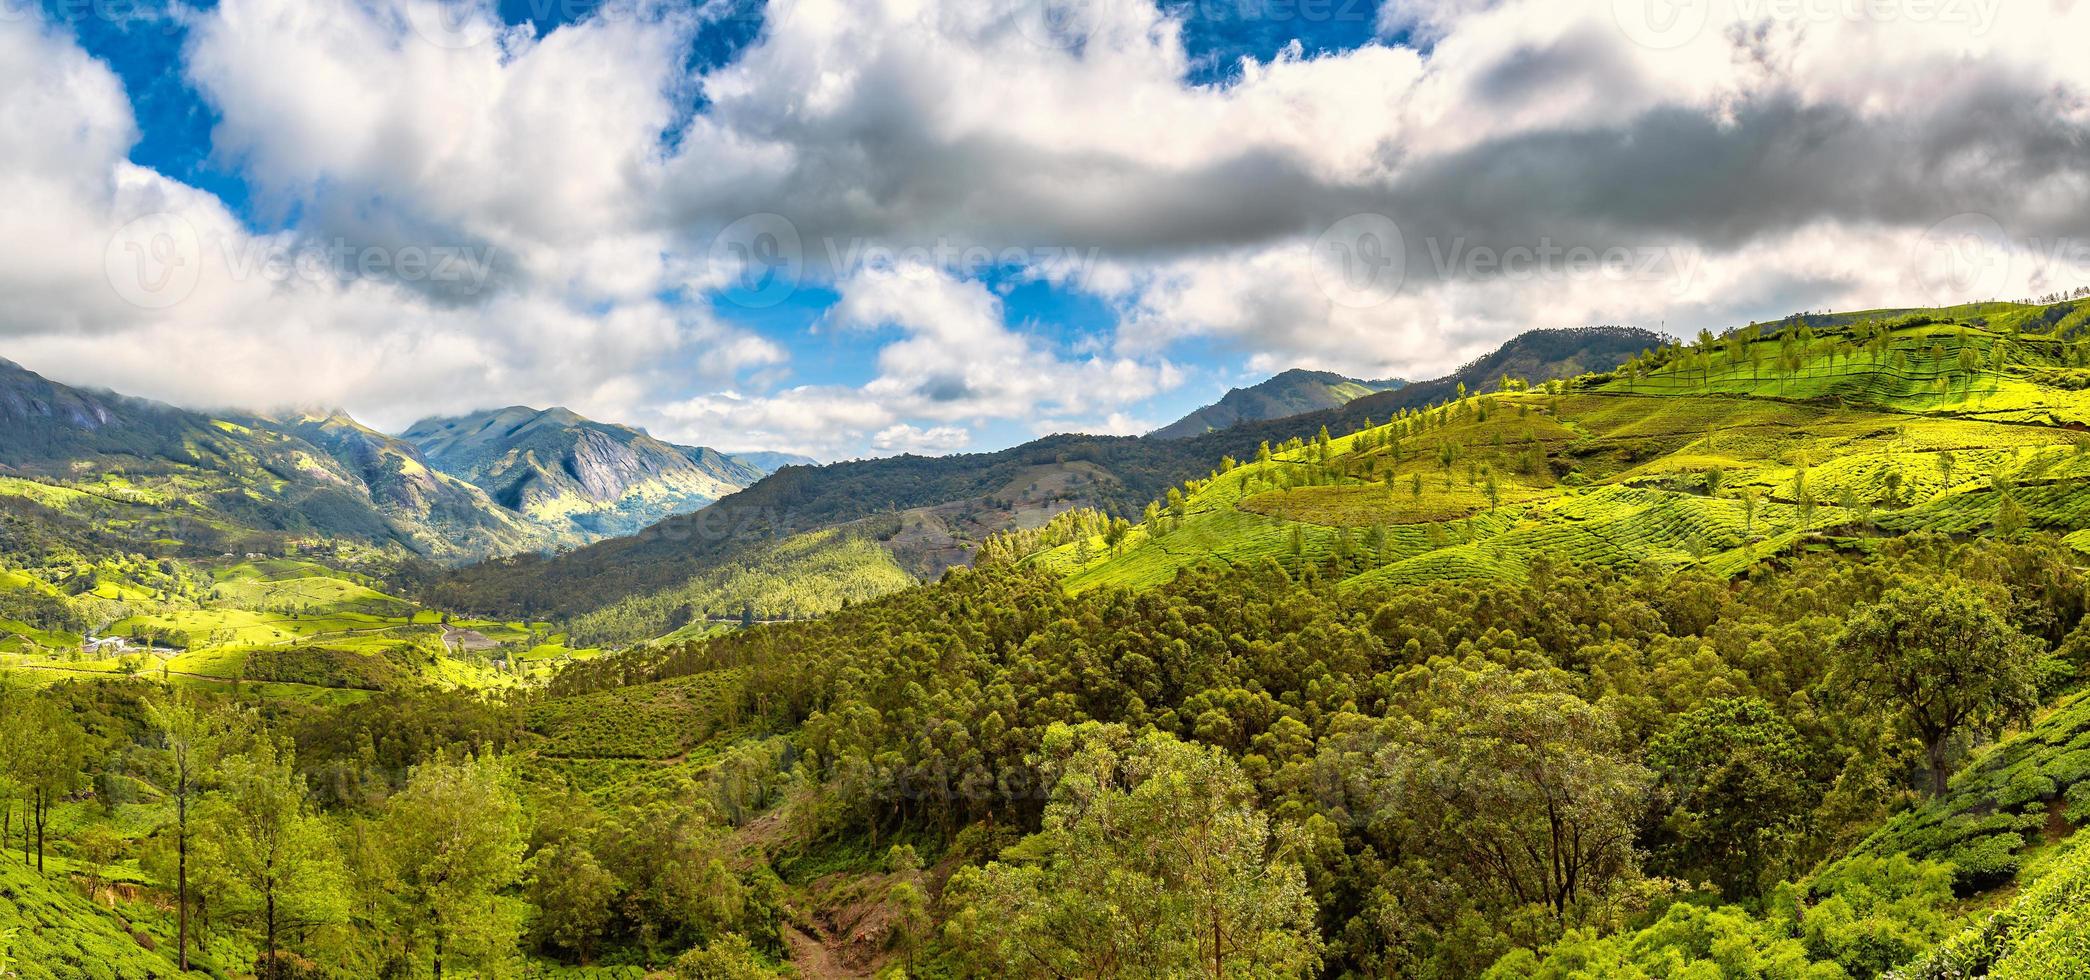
point(1994, 140)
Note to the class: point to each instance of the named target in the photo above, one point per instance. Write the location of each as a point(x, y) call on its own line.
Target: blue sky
point(990, 219)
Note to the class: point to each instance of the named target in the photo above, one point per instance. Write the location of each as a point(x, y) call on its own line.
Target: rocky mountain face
point(402, 482)
point(560, 469)
point(1292, 393)
point(199, 481)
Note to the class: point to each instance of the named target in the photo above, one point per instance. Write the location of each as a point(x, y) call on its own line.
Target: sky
point(879, 226)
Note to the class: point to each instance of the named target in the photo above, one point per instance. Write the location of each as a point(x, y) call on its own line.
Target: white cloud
point(955, 361)
point(1796, 162)
point(231, 328)
point(929, 442)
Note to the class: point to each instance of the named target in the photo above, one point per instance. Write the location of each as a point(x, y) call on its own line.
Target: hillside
point(1294, 392)
point(948, 506)
point(768, 462)
point(594, 479)
point(1714, 455)
point(1558, 680)
point(193, 485)
point(50, 931)
point(305, 628)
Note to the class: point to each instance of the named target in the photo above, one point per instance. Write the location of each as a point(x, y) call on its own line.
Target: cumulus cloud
point(1543, 163)
point(955, 362)
point(127, 279)
point(1796, 153)
point(909, 439)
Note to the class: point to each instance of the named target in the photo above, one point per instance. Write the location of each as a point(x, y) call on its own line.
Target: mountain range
point(565, 471)
point(1294, 392)
point(927, 514)
point(453, 490)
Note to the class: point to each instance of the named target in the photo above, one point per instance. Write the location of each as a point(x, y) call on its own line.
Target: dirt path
point(812, 957)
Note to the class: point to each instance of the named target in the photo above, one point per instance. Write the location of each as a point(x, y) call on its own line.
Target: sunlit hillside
point(1715, 453)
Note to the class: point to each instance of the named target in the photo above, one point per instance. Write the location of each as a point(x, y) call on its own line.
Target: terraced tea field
point(289, 626)
point(1717, 453)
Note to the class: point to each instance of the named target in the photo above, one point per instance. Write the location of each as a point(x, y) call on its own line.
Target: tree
point(1736, 789)
point(278, 855)
point(1513, 782)
point(1940, 660)
point(1153, 859)
point(910, 918)
point(454, 840)
point(729, 957)
point(2010, 516)
point(572, 893)
point(189, 732)
point(48, 750)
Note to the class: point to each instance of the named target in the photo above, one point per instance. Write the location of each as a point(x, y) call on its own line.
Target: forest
point(1247, 771)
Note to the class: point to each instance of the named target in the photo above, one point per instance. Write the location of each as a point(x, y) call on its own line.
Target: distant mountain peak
point(557, 465)
point(1289, 393)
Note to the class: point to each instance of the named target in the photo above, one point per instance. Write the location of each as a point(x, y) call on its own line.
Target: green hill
point(1294, 392)
point(50, 931)
point(1718, 454)
point(949, 506)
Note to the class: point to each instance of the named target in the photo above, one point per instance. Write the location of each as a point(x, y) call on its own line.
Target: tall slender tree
point(188, 732)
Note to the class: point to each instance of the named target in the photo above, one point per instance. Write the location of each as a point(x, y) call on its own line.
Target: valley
point(867, 718)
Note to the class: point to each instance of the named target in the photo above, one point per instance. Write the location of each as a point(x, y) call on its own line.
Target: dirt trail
point(812, 957)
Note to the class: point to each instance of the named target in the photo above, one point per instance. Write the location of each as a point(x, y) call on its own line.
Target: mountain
point(1294, 392)
point(769, 463)
point(401, 480)
point(1709, 456)
point(934, 513)
point(592, 478)
point(1697, 589)
point(191, 483)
